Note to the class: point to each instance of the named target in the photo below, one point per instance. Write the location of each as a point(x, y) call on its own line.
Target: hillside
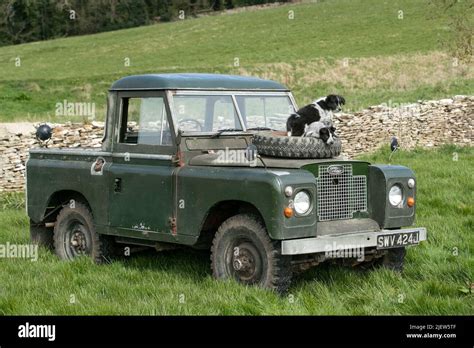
point(358, 48)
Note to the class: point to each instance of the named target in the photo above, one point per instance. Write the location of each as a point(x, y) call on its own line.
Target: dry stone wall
point(16, 141)
point(425, 123)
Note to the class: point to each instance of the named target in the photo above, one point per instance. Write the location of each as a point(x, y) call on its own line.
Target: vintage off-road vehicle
point(204, 161)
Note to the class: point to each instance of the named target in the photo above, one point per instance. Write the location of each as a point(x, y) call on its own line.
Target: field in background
point(358, 48)
point(438, 278)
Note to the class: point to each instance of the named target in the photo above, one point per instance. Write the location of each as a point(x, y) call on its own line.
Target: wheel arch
point(60, 198)
point(220, 212)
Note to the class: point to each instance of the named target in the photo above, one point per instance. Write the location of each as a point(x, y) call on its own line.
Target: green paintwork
point(52, 172)
point(201, 188)
point(160, 200)
point(195, 81)
point(381, 179)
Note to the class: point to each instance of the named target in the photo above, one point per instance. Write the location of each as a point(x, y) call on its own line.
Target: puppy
point(321, 130)
point(320, 110)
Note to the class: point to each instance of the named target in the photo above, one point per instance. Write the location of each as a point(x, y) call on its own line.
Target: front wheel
point(75, 235)
point(394, 259)
point(242, 250)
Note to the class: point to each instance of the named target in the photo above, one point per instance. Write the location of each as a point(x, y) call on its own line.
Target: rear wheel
point(243, 250)
point(75, 235)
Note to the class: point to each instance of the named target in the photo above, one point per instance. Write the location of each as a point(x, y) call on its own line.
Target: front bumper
point(337, 242)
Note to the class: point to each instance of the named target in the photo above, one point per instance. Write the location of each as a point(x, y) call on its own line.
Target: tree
point(217, 5)
point(229, 4)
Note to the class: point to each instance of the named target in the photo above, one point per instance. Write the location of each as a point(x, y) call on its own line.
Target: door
point(141, 174)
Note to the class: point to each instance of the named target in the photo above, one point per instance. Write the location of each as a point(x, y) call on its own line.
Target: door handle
point(117, 185)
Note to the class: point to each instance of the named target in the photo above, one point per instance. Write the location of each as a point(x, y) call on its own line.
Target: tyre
point(41, 235)
point(242, 250)
point(75, 235)
point(394, 259)
point(295, 147)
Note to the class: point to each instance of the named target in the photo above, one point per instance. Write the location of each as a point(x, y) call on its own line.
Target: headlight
point(411, 183)
point(395, 196)
point(302, 203)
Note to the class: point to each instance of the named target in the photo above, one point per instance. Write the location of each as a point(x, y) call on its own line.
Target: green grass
point(306, 52)
point(436, 277)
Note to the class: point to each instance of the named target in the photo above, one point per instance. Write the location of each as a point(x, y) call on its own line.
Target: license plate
point(388, 241)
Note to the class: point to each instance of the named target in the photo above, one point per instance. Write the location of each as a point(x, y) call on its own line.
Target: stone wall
point(425, 124)
point(15, 142)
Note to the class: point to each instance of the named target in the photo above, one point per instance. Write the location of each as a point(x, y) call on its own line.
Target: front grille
point(341, 195)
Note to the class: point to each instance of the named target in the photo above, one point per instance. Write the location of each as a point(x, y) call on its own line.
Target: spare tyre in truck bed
point(275, 145)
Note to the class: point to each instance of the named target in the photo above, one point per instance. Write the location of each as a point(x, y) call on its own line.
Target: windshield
point(194, 113)
point(265, 111)
point(205, 113)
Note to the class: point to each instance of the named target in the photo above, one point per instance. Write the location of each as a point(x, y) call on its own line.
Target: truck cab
point(179, 166)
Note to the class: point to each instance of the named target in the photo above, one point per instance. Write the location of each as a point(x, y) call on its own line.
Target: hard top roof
point(195, 81)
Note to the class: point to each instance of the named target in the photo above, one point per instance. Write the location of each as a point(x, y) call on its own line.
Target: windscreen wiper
point(262, 129)
point(220, 131)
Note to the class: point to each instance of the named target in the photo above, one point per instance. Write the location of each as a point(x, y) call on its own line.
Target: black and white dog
point(320, 110)
point(321, 130)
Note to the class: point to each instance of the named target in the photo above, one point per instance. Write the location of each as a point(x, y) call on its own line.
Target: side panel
point(49, 173)
point(201, 188)
point(141, 199)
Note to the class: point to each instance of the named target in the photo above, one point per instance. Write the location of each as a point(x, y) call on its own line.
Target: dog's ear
point(342, 101)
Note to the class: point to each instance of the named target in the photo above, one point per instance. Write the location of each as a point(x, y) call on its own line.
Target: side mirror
point(44, 132)
point(394, 144)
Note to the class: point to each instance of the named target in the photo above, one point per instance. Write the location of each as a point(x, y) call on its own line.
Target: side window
point(144, 122)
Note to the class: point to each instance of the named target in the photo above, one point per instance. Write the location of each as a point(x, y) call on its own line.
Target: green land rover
point(183, 164)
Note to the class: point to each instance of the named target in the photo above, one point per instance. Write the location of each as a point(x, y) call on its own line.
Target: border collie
point(321, 130)
point(320, 110)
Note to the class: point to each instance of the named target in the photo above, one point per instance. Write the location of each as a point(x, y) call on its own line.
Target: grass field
point(436, 280)
point(361, 49)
